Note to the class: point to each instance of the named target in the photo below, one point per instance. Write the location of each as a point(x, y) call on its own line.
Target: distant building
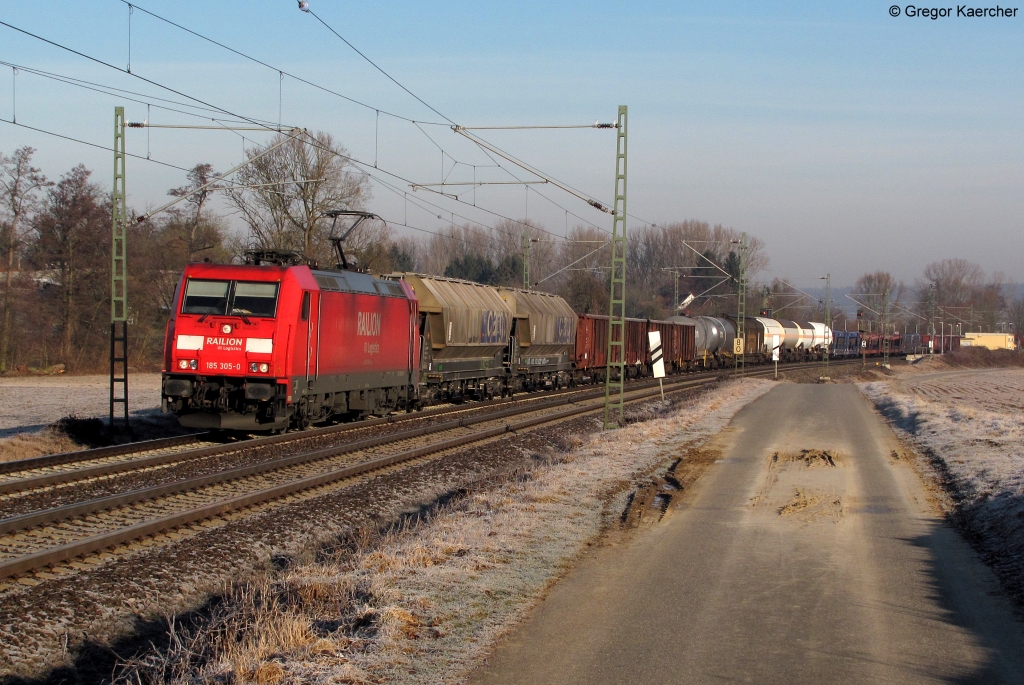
point(993, 341)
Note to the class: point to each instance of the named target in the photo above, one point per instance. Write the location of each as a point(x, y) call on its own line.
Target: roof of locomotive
point(331, 280)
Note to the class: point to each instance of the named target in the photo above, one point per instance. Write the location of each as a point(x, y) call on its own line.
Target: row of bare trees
point(955, 292)
point(54, 252)
point(55, 242)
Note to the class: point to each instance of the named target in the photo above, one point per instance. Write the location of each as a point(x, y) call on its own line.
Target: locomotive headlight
point(225, 329)
point(194, 363)
point(253, 367)
point(264, 367)
point(182, 363)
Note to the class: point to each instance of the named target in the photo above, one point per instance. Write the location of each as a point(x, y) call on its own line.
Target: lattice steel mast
point(828, 324)
point(741, 307)
point(526, 258)
point(119, 279)
point(616, 360)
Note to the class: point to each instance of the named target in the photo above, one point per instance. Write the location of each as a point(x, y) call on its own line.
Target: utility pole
point(741, 308)
point(526, 258)
point(675, 290)
point(931, 317)
point(119, 280)
point(616, 357)
point(828, 326)
point(885, 327)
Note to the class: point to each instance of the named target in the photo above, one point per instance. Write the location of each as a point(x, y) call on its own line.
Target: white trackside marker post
point(657, 359)
point(775, 354)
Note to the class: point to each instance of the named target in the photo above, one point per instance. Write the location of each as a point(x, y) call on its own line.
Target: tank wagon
point(714, 338)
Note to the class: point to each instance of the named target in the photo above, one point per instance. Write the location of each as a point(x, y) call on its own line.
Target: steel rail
point(96, 453)
point(45, 480)
point(99, 470)
point(110, 539)
point(102, 541)
point(41, 518)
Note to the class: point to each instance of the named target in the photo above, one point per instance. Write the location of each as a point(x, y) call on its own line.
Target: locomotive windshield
point(230, 298)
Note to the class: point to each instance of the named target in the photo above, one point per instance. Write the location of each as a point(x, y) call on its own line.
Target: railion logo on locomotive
point(563, 329)
point(225, 342)
point(493, 327)
point(368, 323)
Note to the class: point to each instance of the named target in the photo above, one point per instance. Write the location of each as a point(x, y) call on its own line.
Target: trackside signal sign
point(657, 355)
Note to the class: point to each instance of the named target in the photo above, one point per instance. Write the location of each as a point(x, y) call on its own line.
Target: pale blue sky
point(848, 140)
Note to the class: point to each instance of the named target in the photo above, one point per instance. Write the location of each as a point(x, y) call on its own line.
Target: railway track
point(35, 540)
point(39, 473)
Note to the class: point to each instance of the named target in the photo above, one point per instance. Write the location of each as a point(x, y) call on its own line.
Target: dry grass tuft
point(28, 445)
point(269, 673)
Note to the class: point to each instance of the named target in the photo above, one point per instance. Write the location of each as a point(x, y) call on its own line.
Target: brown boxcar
point(677, 341)
point(591, 342)
point(677, 344)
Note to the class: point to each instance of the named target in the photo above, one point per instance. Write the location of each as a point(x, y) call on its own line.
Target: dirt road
point(807, 554)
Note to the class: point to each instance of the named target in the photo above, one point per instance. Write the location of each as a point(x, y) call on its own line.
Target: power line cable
point(118, 92)
point(134, 75)
point(255, 122)
point(377, 110)
point(277, 69)
point(96, 145)
point(475, 139)
point(180, 168)
point(375, 66)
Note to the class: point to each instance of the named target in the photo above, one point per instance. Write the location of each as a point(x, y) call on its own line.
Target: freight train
point(278, 343)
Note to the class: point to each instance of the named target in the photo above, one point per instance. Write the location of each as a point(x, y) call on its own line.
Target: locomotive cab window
point(305, 306)
point(205, 297)
point(254, 299)
point(231, 298)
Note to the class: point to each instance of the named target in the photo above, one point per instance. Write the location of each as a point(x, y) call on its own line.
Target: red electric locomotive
point(275, 344)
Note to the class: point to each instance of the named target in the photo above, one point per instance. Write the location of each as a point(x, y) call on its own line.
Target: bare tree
point(289, 191)
point(954, 280)
point(453, 243)
point(1015, 314)
point(958, 290)
point(196, 195)
point(581, 268)
point(71, 225)
point(20, 184)
point(879, 291)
